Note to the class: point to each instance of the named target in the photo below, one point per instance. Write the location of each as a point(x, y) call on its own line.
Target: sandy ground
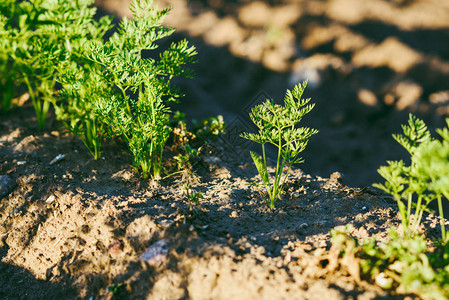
point(80, 228)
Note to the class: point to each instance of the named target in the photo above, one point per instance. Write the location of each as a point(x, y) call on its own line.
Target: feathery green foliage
point(37, 36)
point(108, 87)
point(8, 70)
point(426, 179)
point(277, 126)
point(133, 92)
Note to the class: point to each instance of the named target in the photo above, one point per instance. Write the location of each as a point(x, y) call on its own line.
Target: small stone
point(303, 225)
point(165, 223)
point(337, 176)
point(296, 194)
point(7, 185)
point(115, 247)
point(58, 158)
point(21, 162)
point(156, 254)
point(50, 199)
point(233, 214)
point(204, 227)
point(212, 160)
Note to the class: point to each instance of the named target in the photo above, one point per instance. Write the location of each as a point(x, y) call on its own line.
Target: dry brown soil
point(80, 228)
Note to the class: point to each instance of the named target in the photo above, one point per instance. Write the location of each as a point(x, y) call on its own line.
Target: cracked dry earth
point(75, 228)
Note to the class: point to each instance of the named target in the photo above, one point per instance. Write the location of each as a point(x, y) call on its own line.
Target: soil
point(72, 227)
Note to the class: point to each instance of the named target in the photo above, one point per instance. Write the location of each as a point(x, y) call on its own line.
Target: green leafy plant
point(37, 36)
point(402, 264)
point(8, 70)
point(189, 141)
point(79, 81)
point(203, 130)
point(426, 178)
point(136, 90)
point(75, 108)
point(193, 197)
point(277, 126)
point(117, 289)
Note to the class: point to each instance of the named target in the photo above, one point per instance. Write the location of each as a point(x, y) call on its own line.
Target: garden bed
point(77, 227)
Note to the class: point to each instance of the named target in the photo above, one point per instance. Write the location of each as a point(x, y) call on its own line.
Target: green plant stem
point(6, 90)
point(278, 180)
point(443, 228)
point(278, 174)
point(267, 185)
point(418, 214)
point(420, 217)
point(263, 171)
point(37, 106)
point(402, 213)
point(153, 158)
point(409, 207)
point(446, 195)
point(145, 168)
point(92, 139)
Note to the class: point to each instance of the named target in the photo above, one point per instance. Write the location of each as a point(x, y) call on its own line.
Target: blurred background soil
point(369, 64)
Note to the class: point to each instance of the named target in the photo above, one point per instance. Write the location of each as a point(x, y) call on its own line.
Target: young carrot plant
point(41, 34)
point(426, 179)
point(8, 70)
point(35, 49)
point(277, 126)
point(136, 89)
point(79, 80)
point(75, 107)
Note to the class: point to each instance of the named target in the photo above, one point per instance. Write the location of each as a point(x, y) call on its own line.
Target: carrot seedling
point(277, 126)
